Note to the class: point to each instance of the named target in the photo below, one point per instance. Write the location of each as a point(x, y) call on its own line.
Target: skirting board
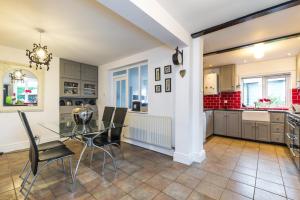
point(188, 159)
point(23, 144)
point(149, 146)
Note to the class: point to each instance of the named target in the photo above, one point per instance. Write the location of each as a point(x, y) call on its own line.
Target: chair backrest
point(119, 118)
point(33, 150)
point(108, 113)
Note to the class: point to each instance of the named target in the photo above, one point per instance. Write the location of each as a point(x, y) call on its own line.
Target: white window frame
point(138, 65)
point(264, 86)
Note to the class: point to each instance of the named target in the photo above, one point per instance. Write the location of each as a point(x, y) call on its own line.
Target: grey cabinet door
point(220, 122)
point(209, 123)
point(89, 73)
point(70, 87)
point(227, 78)
point(263, 131)
point(69, 69)
point(89, 89)
point(234, 124)
point(248, 130)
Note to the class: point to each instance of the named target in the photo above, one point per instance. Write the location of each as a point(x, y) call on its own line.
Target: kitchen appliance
point(293, 137)
point(211, 84)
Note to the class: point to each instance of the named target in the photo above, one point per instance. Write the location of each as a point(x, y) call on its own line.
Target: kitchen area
point(252, 94)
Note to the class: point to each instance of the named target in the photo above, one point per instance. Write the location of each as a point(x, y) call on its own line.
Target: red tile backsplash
point(295, 96)
point(219, 101)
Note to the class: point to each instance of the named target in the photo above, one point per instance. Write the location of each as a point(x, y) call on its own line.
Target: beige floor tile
point(270, 187)
point(144, 192)
point(216, 179)
point(245, 170)
point(159, 182)
point(128, 184)
point(111, 193)
point(170, 174)
point(127, 197)
point(240, 188)
point(209, 190)
point(163, 196)
point(9, 195)
point(229, 195)
point(270, 177)
point(197, 196)
point(264, 195)
point(292, 193)
point(177, 191)
point(243, 178)
point(188, 181)
point(195, 172)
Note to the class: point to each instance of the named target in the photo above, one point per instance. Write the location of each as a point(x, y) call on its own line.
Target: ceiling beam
point(285, 37)
point(249, 17)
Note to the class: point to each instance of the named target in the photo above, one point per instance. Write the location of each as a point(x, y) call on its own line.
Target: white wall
point(13, 136)
point(285, 65)
point(161, 104)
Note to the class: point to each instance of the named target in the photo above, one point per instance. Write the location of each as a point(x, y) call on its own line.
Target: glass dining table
point(82, 133)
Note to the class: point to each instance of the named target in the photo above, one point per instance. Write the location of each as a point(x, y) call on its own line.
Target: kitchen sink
point(263, 116)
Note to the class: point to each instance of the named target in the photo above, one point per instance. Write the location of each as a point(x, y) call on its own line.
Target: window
point(275, 88)
point(131, 84)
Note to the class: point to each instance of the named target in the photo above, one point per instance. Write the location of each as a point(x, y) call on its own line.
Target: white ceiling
point(196, 15)
point(81, 30)
point(270, 26)
point(275, 50)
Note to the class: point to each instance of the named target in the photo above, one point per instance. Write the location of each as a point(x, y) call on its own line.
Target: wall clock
point(178, 57)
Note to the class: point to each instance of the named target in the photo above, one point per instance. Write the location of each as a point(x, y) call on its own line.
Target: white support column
point(189, 121)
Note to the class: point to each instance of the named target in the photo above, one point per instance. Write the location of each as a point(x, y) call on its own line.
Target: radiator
point(154, 130)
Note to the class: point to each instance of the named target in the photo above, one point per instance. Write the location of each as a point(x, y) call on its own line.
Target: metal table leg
point(78, 162)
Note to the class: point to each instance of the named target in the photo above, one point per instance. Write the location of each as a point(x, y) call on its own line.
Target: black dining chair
point(40, 159)
point(113, 139)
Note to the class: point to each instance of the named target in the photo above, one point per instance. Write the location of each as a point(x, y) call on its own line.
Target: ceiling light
point(17, 75)
point(39, 55)
point(259, 51)
point(289, 54)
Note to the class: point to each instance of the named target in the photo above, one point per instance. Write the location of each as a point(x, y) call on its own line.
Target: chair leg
point(104, 162)
point(111, 150)
point(91, 156)
point(63, 165)
point(25, 179)
point(121, 149)
point(104, 159)
point(23, 170)
point(71, 168)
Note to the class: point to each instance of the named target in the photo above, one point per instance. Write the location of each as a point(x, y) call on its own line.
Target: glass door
point(120, 91)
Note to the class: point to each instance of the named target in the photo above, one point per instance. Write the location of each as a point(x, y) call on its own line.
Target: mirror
point(20, 88)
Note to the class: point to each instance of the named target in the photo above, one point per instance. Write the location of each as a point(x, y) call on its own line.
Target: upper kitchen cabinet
point(227, 78)
point(69, 69)
point(89, 73)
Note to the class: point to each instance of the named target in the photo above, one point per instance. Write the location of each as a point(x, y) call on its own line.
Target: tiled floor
point(234, 169)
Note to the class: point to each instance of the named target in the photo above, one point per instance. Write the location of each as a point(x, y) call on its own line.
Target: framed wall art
point(157, 74)
point(168, 85)
point(157, 88)
point(168, 69)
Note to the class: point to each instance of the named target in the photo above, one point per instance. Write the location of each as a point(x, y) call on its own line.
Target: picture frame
point(157, 88)
point(168, 85)
point(157, 74)
point(168, 69)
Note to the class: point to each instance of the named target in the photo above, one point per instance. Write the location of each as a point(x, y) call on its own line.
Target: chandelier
point(17, 75)
point(39, 55)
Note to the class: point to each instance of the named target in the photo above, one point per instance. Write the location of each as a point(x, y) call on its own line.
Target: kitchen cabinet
point(227, 78)
point(209, 114)
point(277, 127)
point(248, 130)
point(263, 131)
point(220, 122)
point(70, 69)
point(227, 123)
point(89, 89)
point(70, 88)
point(233, 124)
point(89, 73)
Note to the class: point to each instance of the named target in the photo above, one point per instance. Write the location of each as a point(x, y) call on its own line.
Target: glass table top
point(70, 129)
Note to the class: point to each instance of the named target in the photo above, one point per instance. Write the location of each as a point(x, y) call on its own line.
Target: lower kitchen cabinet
point(209, 122)
point(227, 123)
point(248, 130)
point(220, 122)
point(233, 124)
point(263, 131)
